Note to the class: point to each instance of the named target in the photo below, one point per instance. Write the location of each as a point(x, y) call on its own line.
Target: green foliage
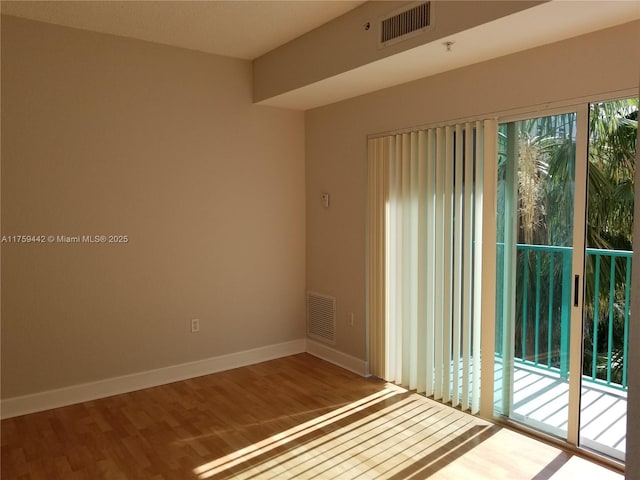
point(613, 129)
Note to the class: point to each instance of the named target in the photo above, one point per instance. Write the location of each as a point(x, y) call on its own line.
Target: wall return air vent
point(321, 317)
point(400, 25)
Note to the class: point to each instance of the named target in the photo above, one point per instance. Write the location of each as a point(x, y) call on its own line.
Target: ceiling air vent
point(404, 24)
point(321, 317)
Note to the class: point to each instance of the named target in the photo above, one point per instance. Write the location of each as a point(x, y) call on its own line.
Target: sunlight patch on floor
point(397, 439)
point(282, 439)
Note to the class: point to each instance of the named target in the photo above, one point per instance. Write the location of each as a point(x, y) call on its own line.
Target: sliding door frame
point(578, 257)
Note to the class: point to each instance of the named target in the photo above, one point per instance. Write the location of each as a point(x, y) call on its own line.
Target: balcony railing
point(609, 316)
point(544, 294)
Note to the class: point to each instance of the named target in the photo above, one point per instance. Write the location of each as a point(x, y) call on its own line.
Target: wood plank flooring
point(292, 418)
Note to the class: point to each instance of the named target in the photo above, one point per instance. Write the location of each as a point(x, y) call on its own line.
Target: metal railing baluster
point(596, 310)
point(566, 312)
point(612, 291)
point(525, 295)
point(552, 257)
point(537, 332)
point(625, 345)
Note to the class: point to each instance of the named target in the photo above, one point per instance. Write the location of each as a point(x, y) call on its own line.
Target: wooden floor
point(296, 417)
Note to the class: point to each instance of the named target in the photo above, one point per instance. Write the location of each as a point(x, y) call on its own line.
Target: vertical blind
point(427, 211)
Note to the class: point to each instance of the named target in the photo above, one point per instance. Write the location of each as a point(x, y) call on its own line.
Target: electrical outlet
point(195, 325)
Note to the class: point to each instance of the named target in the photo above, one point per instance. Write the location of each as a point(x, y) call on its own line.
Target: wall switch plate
point(195, 325)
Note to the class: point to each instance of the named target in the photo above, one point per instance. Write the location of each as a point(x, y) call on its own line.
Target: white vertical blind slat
point(398, 250)
point(438, 337)
point(448, 263)
point(423, 267)
point(378, 196)
point(477, 269)
point(431, 261)
point(457, 264)
point(390, 326)
point(373, 191)
point(405, 234)
point(467, 257)
point(489, 205)
point(413, 263)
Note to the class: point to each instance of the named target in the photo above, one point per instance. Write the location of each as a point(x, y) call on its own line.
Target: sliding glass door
point(613, 127)
point(565, 217)
point(536, 229)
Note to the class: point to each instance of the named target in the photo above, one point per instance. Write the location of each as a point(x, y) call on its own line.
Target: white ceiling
point(240, 28)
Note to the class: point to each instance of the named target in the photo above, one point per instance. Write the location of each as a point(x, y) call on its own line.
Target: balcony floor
point(540, 400)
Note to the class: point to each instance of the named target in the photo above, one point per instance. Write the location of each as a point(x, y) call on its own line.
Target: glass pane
point(612, 147)
point(535, 232)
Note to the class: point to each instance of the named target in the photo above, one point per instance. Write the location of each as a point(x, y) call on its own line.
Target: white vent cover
point(321, 317)
point(408, 22)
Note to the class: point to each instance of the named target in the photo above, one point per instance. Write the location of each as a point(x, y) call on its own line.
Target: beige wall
point(106, 135)
point(336, 142)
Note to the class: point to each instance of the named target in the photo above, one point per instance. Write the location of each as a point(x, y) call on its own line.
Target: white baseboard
point(336, 357)
point(37, 402)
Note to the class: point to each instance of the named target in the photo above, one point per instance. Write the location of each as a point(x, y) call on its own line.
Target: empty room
point(319, 240)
